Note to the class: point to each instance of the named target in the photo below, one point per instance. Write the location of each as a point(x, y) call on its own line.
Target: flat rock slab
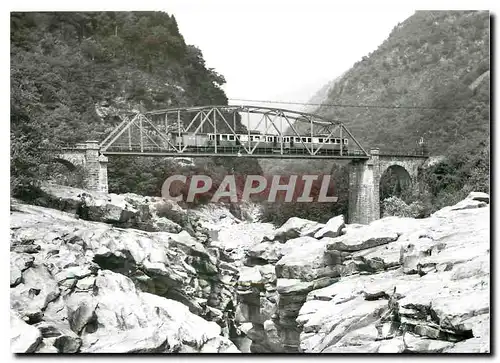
point(296, 286)
point(479, 196)
point(358, 242)
point(293, 228)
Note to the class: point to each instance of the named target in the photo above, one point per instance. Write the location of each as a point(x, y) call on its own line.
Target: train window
point(269, 139)
point(345, 141)
point(336, 141)
point(287, 139)
point(308, 139)
point(297, 139)
point(303, 139)
point(231, 137)
point(320, 139)
point(211, 137)
point(256, 138)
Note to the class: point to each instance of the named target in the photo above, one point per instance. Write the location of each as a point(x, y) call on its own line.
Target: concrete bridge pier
point(364, 182)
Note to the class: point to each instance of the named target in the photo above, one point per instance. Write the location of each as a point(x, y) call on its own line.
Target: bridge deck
point(243, 155)
point(225, 151)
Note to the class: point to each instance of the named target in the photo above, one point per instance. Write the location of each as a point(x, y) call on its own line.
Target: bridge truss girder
point(152, 133)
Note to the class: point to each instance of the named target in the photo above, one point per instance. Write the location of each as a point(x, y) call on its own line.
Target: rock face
point(396, 285)
point(426, 290)
point(80, 286)
point(152, 214)
point(276, 280)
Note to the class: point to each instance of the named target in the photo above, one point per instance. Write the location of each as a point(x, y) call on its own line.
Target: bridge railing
point(405, 153)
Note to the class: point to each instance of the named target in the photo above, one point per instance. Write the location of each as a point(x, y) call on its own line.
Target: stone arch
point(68, 164)
point(67, 171)
point(406, 167)
point(87, 165)
point(71, 159)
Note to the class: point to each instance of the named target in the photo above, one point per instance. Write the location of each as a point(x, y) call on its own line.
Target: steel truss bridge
point(162, 133)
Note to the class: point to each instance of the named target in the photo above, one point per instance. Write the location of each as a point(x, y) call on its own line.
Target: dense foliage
point(73, 73)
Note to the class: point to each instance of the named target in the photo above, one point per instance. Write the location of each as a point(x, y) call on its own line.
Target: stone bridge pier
point(95, 166)
point(364, 181)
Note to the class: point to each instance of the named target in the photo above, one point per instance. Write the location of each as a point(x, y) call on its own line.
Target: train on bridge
point(155, 134)
point(261, 143)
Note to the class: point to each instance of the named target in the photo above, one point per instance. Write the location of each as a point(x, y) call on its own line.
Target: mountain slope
point(73, 74)
point(435, 59)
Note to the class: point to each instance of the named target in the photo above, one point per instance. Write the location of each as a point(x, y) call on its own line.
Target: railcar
point(261, 143)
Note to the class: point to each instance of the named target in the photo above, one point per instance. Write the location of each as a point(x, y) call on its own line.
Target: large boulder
point(130, 321)
point(18, 263)
point(479, 196)
point(235, 240)
point(293, 228)
point(305, 260)
point(473, 200)
point(24, 338)
point(332, 228)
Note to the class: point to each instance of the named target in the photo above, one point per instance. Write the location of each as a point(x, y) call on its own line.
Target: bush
point(394, 206)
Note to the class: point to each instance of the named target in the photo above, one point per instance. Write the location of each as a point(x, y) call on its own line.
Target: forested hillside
point(430, 78)
point(434, 59)
point(437, 61)
point(73, 73)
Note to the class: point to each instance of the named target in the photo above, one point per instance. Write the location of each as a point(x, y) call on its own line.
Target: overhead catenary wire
point(352, 105)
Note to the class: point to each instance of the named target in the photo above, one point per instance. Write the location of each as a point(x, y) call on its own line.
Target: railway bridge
point(210, 131)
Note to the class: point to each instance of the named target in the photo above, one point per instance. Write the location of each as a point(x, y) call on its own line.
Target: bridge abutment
point(95, 166)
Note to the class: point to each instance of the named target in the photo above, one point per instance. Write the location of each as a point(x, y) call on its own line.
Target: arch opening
point(394, 182)
point(64, 172)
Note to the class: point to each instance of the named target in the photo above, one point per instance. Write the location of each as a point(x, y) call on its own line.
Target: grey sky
point(282, 51)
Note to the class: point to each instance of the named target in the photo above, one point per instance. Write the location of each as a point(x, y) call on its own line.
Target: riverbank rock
point(92, 287)
point(332, 228)
point(426, 290)
point(294, 227)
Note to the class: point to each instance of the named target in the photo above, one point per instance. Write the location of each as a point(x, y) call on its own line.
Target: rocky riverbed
point(396, 285)
point(95, 272)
